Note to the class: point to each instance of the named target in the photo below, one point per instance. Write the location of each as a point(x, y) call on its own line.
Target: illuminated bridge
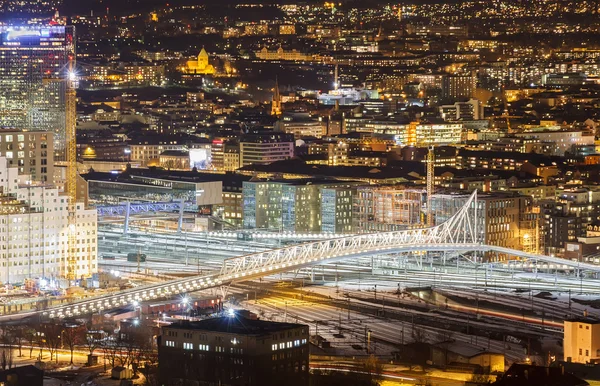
point(459, 235)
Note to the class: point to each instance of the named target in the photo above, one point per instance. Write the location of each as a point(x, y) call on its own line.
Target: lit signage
point(16, 34)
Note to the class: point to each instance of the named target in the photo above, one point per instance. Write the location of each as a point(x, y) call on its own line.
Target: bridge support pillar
point(126, 222)
point(180, 220)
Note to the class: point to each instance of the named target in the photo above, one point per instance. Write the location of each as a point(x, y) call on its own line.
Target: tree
point(92, 340)
point(17, 335)
point(111, 349)
point(72, 336)
point(6, 356)
point(30, 336)
point(52, 338)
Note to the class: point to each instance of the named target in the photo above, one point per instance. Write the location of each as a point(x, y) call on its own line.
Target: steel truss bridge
point(461, 234)
point(127, 209)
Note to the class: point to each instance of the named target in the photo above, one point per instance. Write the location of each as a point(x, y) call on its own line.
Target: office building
point(383, 209)
point(33, 70)
point(301, 125)
point(31, 152)
point(458, 86)
point(233, 351)
point(33, 230)
point(265, 148)
point(504, 220)
point(461, 111)
point(309, 205)
point(430, 132)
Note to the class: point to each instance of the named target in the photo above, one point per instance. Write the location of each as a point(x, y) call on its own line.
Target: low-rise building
point(581, 340)
point(234, 351)
point(265, 148)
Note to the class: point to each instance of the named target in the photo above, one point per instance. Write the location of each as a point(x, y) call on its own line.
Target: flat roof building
point(233, 351)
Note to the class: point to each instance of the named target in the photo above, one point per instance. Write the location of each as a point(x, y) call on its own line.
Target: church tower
point(276, 102)
point(203, 59)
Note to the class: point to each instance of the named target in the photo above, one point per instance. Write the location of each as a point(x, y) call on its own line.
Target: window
point(587, 327)
point(170, 343)
point(587, 353)
point(188, 346)
point(580, 352)
point(273, 347)
point(204, 347)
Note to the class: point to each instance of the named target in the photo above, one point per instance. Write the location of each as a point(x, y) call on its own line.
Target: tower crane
point(70, 80)
point(430, 183)
point(71, 180)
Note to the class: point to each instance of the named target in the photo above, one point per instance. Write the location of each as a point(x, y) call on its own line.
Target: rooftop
point(236, 325)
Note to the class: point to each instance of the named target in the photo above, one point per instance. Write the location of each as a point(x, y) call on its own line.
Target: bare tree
point(92, 340)
point(30, 336)
point(17, 334)
point(40, 340)
point(111, 349)
point(6, 358)
point(73, 335)
point(52, 337)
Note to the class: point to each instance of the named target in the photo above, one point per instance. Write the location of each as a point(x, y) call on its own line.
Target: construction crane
point(71, 180)
point(70, 80)
point(430, 183)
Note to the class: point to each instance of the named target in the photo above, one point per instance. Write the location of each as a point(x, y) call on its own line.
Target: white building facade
point(34, 230)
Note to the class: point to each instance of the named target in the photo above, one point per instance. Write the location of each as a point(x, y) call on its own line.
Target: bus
point(134, 257)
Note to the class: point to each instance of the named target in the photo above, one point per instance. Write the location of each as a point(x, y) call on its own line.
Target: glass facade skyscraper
point(33, 67)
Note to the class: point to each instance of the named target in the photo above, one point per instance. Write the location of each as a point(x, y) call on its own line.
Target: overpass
point(460, 234)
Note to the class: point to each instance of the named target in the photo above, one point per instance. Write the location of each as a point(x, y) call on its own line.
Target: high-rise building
point(33, 70)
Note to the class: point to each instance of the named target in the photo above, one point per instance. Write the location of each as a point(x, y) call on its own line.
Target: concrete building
point(147, 152)
point(31, 152)
point(563, 140)
point(309, 205)
point(581, 340)
point(431, 132)
point(458, 86)
point(33, 230)
point(265, 148)
point(460, 111)
point(281, 54)
point(382, 209)
point(506, 220)
point(301, 125)
point(233, 351)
